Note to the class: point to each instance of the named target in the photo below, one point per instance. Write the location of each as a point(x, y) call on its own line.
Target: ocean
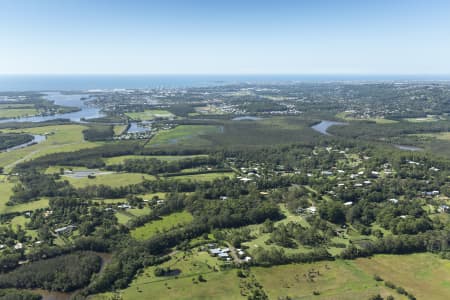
point(86, 82)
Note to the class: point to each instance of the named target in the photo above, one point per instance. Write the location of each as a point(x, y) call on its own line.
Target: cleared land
point(148, 115)
point(185, 135)
point(216, 285)
point(426, 276)
point(202, 177)
point(121, 159)
point(62, 138)
point(112, 179)
point(167, 222)
point(6, 113)
point(346, 117)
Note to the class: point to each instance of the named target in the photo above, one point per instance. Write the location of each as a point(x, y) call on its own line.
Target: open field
point(121, 159)
point(444, 136)
point(344, 116)
point(30, 206)
point(338, 280)
point(148, 115)
point(217, 285)
point(149, 229)
point(6, 113)
point(6, 192)
point(424, 275)
point(64, 138)
point(118, 129)
point(202, 177)
point(111, 179)
point(424, 119)
point(185, 135)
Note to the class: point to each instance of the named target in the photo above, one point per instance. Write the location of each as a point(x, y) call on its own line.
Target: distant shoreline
point(66, 82)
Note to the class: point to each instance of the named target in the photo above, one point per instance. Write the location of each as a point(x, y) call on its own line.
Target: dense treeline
point(432, 241)
point(98, 133)
point(11, 294)
point(155, 166)
point(8, 140)
point(62, 273)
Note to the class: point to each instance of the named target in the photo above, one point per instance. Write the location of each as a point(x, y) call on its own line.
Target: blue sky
point(225, 37)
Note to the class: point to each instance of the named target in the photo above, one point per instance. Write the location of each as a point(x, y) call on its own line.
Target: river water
point(85, 112)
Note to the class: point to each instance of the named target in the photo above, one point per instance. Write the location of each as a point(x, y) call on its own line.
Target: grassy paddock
point(185, 135)
point(6, 113)
point(64, 138)
point(217, 285)
point(167, 222)
point(111, 179)
point(148, 115)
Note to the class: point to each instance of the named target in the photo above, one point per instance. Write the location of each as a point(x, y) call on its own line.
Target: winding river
point(85, 112)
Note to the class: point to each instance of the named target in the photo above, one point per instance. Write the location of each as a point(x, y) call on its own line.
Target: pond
point(246, 118)
point(323, 126)
point(408, 148)
point(138, 127)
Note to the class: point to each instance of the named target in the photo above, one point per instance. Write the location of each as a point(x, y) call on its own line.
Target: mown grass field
point(112, 179)
point(185, 135)
point(167, 222)
point(6, 113)
point(121, 159)
point(148, 115)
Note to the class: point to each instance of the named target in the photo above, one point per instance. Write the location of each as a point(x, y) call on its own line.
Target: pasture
point(216, 285)
point(166, 222)
point(185, 135)
point(148, 115)
point(109, 179)
point(60, 138)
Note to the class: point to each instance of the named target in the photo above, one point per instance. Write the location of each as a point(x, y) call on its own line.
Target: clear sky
point(225, 37)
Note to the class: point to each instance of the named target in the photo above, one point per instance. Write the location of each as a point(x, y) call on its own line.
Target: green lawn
point(6, 113)
point(167, 222)
point(148, 115)
point(111, 179)
point(185, 135)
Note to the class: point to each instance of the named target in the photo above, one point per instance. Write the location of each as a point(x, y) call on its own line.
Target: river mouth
point(324, 125)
